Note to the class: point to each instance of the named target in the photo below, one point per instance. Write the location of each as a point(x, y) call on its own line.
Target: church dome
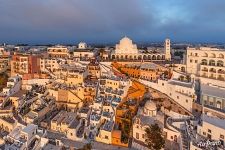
point(82, 45)
point(150, 105)
point(126, 40)
point(126, 46)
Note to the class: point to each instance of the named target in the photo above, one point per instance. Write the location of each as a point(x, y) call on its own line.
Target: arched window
point(153, 57)
point(212, 63)
point(221, 56)
point(182, 69)
point(137, 121)
point(205, 55)
point(212, 55)
point(221, 71)
point(204, 62)
point(218, 104)
point(145, 57)
point(158, 57)
point(212, 70)
point(220, 63)
point(205, 69)
point(139, 57)
point(131, 57)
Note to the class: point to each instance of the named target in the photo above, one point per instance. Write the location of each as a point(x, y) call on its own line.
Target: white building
point(126, 46)
point(49, 63)
point(178, 88)
point(58, 51)
point(207, 64)
point(212, 128)
point(127, 50)
point(23, 137)
point(213, 97)
point(84, 54)
point(82, 45)
point(13, 86)
point(146, 116)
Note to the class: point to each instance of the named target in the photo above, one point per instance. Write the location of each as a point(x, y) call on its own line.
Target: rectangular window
point(106, 137)
point(209, 131)
point(137, 135)
point(221, 136)
point(211, 103)
point(209, 136)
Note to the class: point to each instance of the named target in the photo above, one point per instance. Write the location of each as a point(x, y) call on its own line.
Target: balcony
point(204, 64)
point(212, 70)
point(221, 71)
point(212, 77)
point(220, 78)
point(204, 70)
point(212, 64)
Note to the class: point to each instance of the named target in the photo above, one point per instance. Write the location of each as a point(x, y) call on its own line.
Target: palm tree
point(154, 137)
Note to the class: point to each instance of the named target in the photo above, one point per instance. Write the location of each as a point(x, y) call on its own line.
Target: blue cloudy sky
point(106, 21)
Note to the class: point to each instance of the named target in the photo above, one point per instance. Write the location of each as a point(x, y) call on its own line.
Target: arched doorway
point(153, 57)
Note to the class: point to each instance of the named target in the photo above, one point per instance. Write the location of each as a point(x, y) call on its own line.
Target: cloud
point(102, 21)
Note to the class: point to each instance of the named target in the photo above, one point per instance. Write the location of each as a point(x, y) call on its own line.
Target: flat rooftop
point(8, 119)
point(19, 93)
point(213, 90)
point(29, 128)
point(214, 121)
point(180, 83)
point(144, 66)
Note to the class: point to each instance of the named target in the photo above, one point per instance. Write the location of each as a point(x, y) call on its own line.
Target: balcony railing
point(212, 77)
point(204, 70)
point(214, 71)
point(221, 72)
point(204, 75)
point(220, 78)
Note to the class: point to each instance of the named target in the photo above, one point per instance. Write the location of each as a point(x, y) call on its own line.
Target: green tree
point(154, 137)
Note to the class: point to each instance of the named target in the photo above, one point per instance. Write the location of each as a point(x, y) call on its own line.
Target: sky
point(107, 21)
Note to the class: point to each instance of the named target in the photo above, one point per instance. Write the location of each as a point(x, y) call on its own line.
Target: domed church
point(127, 50)
point(150, 109)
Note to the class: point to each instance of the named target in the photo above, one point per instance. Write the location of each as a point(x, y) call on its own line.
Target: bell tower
point(167, 49)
